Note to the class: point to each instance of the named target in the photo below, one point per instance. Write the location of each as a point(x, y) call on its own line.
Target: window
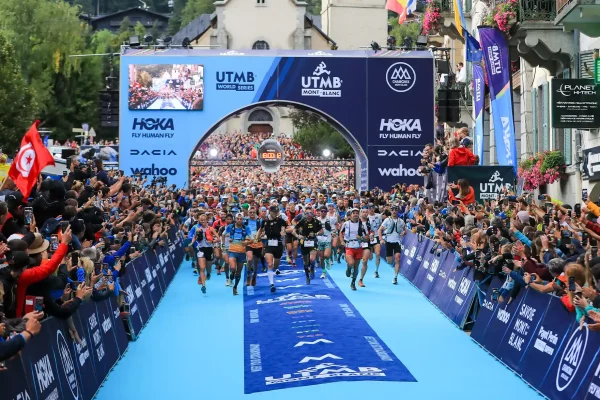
point(260, 116)
point(260, 2)
point(260, 45)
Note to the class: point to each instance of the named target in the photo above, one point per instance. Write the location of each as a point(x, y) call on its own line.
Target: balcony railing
point(447, 7)
point(537, 10)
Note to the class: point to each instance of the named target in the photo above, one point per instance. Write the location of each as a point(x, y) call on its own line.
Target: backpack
point(233, 228)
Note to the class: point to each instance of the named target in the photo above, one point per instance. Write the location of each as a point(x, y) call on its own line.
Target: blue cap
point(263, 209)
point(502, 215)
point(444, 211)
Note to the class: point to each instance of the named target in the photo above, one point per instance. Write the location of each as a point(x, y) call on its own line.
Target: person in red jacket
point(466, 194)
point(45, 269)
point(460, 155)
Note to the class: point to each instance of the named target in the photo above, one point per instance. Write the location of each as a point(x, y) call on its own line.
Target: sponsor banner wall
point(575, 103)
point(390, 165)
point(160, 140)
point(53, 366)
point(487, 182)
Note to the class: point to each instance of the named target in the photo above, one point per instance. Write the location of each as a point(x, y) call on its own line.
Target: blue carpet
point(193, 348)
point(308, 335)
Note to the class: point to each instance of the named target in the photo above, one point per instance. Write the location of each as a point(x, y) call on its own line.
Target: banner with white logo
point(497, 67)
point(591, 164)
point(308, 335)
point(487, 182)
point(575, 103)
point(478, 102)
point(389, 165)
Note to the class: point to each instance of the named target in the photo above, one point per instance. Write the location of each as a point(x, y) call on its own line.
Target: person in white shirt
point(352, 235)
point(375, 221)
point(393, 230)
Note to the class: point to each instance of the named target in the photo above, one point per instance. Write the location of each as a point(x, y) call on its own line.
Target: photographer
point(426, 169)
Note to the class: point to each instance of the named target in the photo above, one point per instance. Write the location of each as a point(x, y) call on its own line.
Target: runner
point(225, 241)
point(394, 229)
point(367, 244)
point(187, 243)
point(324, 242)
point(290, 241)
point(274, 230)
point(202, 235)
point(238, 234)
point(254, 248)
point(306, 231)
point(218, 225)
point(351, 237)
point(335, 222)
point(375, 221)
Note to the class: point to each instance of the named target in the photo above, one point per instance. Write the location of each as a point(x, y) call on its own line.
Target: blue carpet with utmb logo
point(309, 335)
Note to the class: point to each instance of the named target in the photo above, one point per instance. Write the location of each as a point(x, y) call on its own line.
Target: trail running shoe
point(348, 271)
point(195, 272)
point(208, 276)
point(376, 274)
point(360, 283)
point(323, 275)
point(227, 282)
point(352, 286)
point(277, 272)
point(339, 258)
point(273, 289)
point(328, 263)
point(395, 281)
point(264, 269)
point(203, 289)
point(235, 292)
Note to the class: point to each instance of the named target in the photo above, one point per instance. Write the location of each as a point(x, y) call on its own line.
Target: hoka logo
point(153, 124)
point(400, 125)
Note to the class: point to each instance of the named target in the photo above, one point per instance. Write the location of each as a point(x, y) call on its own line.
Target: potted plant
point(432, 17)
point(503, 16)
point(542, 169)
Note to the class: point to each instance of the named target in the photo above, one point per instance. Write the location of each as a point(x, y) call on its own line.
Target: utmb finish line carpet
point(206, 346)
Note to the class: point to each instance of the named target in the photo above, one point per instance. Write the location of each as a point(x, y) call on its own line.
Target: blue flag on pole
point(478, 102)
point(473, 48)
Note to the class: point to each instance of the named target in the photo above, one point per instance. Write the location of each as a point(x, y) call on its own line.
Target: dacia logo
point(401, 77)
point(400, 125)
point(236, 81)
point(153, 124)
point(134, 152)
point(399, 153)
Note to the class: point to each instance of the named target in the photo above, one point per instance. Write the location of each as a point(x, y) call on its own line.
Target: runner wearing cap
point(202, 235)
point(324, 242)
point(351, 237)
point(225, 241)
point(254, 248)
point(290, 241)
point(375, 221)
point(335, 222)
point(239, 235)
point(306, 231)
point(394, 229)
point(273, 227)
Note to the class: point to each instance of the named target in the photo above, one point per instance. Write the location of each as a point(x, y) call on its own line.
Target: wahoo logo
point(570, 361)
point(329, 355)
point(321, 84)
point(399, 153)
point(153, 124)
point(506, 137)
point(400, 171)
point(401, 77)
point(494, 58)
point(154, 170)
point(236, 81)
point(134, 152)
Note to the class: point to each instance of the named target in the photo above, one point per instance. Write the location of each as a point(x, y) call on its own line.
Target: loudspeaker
point(442, 66)
point(448, 105)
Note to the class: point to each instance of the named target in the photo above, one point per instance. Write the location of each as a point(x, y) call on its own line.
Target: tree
point(16, 98)
point(175, 20)
point(194, 8)
point(140, 30)
point(315, 135)
point(400, 32)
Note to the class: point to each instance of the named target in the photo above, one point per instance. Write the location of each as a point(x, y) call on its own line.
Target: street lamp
point(213, 152)
point(326, 153)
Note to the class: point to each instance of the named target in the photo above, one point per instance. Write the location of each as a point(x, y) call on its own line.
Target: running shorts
point(256, 251)
point(205, 252)
point(354, 253)
point(321, 246)
point(239, 257)
point(392, 248)
point(276, 251)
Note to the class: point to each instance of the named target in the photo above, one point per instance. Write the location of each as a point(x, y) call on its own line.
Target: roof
point(194, 29)
point(315, 21)
point(129, 10)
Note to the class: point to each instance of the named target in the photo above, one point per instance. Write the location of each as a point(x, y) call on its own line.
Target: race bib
point(273, 242)
point(200, 254)
point(365, 245)
point(374, 240)
point(309, 243)
point(353, 244)
point(324, 239)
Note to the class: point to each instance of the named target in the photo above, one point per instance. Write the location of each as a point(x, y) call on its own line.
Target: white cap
point(284, 199)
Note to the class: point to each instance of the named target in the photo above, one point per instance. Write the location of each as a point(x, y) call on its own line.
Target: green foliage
point(194, 8)
point(16, 98)
point(315, 135)
point(176, 17)
point(314, 6)
point(553, 159)
point(409, 29)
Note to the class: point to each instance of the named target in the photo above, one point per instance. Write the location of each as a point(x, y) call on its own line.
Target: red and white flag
point(32, 158)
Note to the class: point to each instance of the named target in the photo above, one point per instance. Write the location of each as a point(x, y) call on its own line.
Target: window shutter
point(545, 117)
point(534, 119)
point(567, 147)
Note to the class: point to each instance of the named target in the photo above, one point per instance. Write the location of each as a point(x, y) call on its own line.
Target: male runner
point(375, 221)
point(351, 236)
point(367, 245)
point(225, 241)
point(254, 248)
point(290, 241)
point(324, 242)
point(238, 234)
point(274, 229)
point(306, 231)
point(394, 229)
point(335, 222)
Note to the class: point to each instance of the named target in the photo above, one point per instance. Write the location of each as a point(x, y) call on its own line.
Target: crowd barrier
point(452, 291)
point(52, 366)
point(535, 335)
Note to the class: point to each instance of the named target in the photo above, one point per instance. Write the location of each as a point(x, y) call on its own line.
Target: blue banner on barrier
point(486, 311)
point(439, 293)
point(460, 303)
point(15, 383)
point(503, 315)
point(292, 339)
point(410, 245)
point(521, 330)
point(156, 273)
point(419, 269)
point(118, 327)
point(90, 382)
point(139, 314)
point(144, 277)
point(430, 265)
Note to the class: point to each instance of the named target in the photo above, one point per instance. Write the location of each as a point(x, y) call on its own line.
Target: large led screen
point(166, 87)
